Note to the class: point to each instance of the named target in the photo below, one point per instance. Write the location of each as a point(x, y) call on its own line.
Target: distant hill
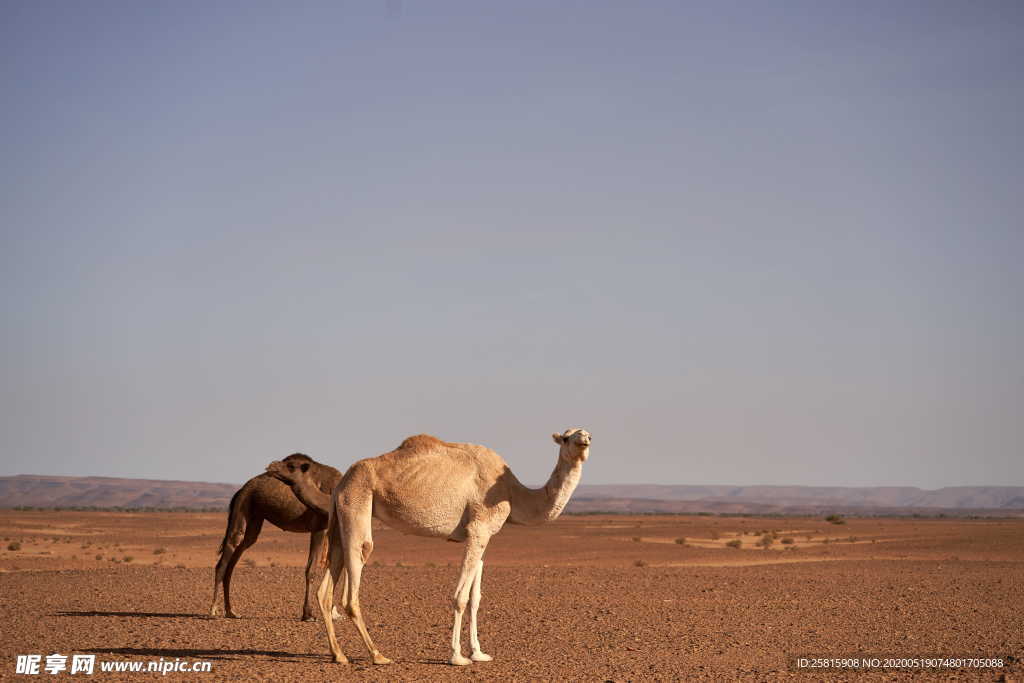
point(42, 491)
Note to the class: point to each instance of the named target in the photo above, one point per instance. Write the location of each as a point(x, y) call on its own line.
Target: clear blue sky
point(740, 242)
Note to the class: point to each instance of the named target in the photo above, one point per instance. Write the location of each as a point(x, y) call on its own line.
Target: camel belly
point(440, 518)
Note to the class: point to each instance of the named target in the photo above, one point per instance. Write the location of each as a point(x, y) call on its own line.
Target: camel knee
point(459, 602)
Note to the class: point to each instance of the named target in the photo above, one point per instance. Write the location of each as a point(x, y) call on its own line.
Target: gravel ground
point(569, 604)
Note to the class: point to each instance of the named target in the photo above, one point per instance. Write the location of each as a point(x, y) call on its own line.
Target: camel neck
point(535, 506)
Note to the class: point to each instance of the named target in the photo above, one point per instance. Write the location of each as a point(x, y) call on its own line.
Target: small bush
point(14, 546)
point(179, 566)
point(128, 558)
point(835, 519)
point(636, 539)
point(765, 541)
point(681, 540)
point(787, 541)
point(639, 563)
point(159, 551)
point(431, 565)
point(99, 556)
point(735, 543)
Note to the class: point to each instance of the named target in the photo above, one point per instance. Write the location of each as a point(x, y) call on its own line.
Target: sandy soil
point(584, 598)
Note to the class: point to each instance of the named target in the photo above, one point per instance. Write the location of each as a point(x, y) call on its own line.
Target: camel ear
point(559, 439)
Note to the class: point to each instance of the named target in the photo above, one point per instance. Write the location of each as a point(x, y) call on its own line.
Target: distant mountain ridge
point(50, 491)
point(953, 497)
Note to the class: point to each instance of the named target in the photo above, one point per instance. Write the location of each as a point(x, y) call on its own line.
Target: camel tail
point(235, 518)
point(333, 532)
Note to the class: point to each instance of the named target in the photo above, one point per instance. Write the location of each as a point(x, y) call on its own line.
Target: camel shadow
point(277, 655)
point(147, 615)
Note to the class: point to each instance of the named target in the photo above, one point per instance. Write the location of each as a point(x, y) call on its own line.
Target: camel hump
point(420, 442)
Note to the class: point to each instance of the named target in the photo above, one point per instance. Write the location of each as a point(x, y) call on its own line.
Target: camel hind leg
point(233, 555)
point(357, 547)
point(325, 595)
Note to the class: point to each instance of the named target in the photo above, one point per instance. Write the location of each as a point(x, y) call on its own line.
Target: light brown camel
point(266, 498)
point(428, 487)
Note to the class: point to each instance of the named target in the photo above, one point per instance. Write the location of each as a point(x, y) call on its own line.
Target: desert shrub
point(765, 541)
point(99, 556)
point(681, 540)
point(639, 563)
point(735, 543)
point(179, 566)
point(787, 541)
point(128, 558)
point(431, 565)
point(159, 551)
point(14, 546)
point(835, 519)
point(852, 539)
point(636, 539)
point(398, 563)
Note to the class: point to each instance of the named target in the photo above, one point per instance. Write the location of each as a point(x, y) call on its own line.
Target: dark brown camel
point(265, 497)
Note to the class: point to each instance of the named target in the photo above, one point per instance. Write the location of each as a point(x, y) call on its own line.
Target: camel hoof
point(340, 659)
point(232, 615)
point(308, 617)
point(381, 659)
point(481, 657)
point(459, 660)
point(214, 612)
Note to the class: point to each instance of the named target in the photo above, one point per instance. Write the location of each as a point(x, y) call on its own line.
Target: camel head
point(575, 444)
point(291, 468)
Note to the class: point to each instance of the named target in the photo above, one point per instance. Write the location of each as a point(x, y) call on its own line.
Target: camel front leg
point(470, 567)
point(477, 655)
point(317, 547)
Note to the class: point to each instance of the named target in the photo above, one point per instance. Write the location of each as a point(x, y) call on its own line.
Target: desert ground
point(583, 598)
